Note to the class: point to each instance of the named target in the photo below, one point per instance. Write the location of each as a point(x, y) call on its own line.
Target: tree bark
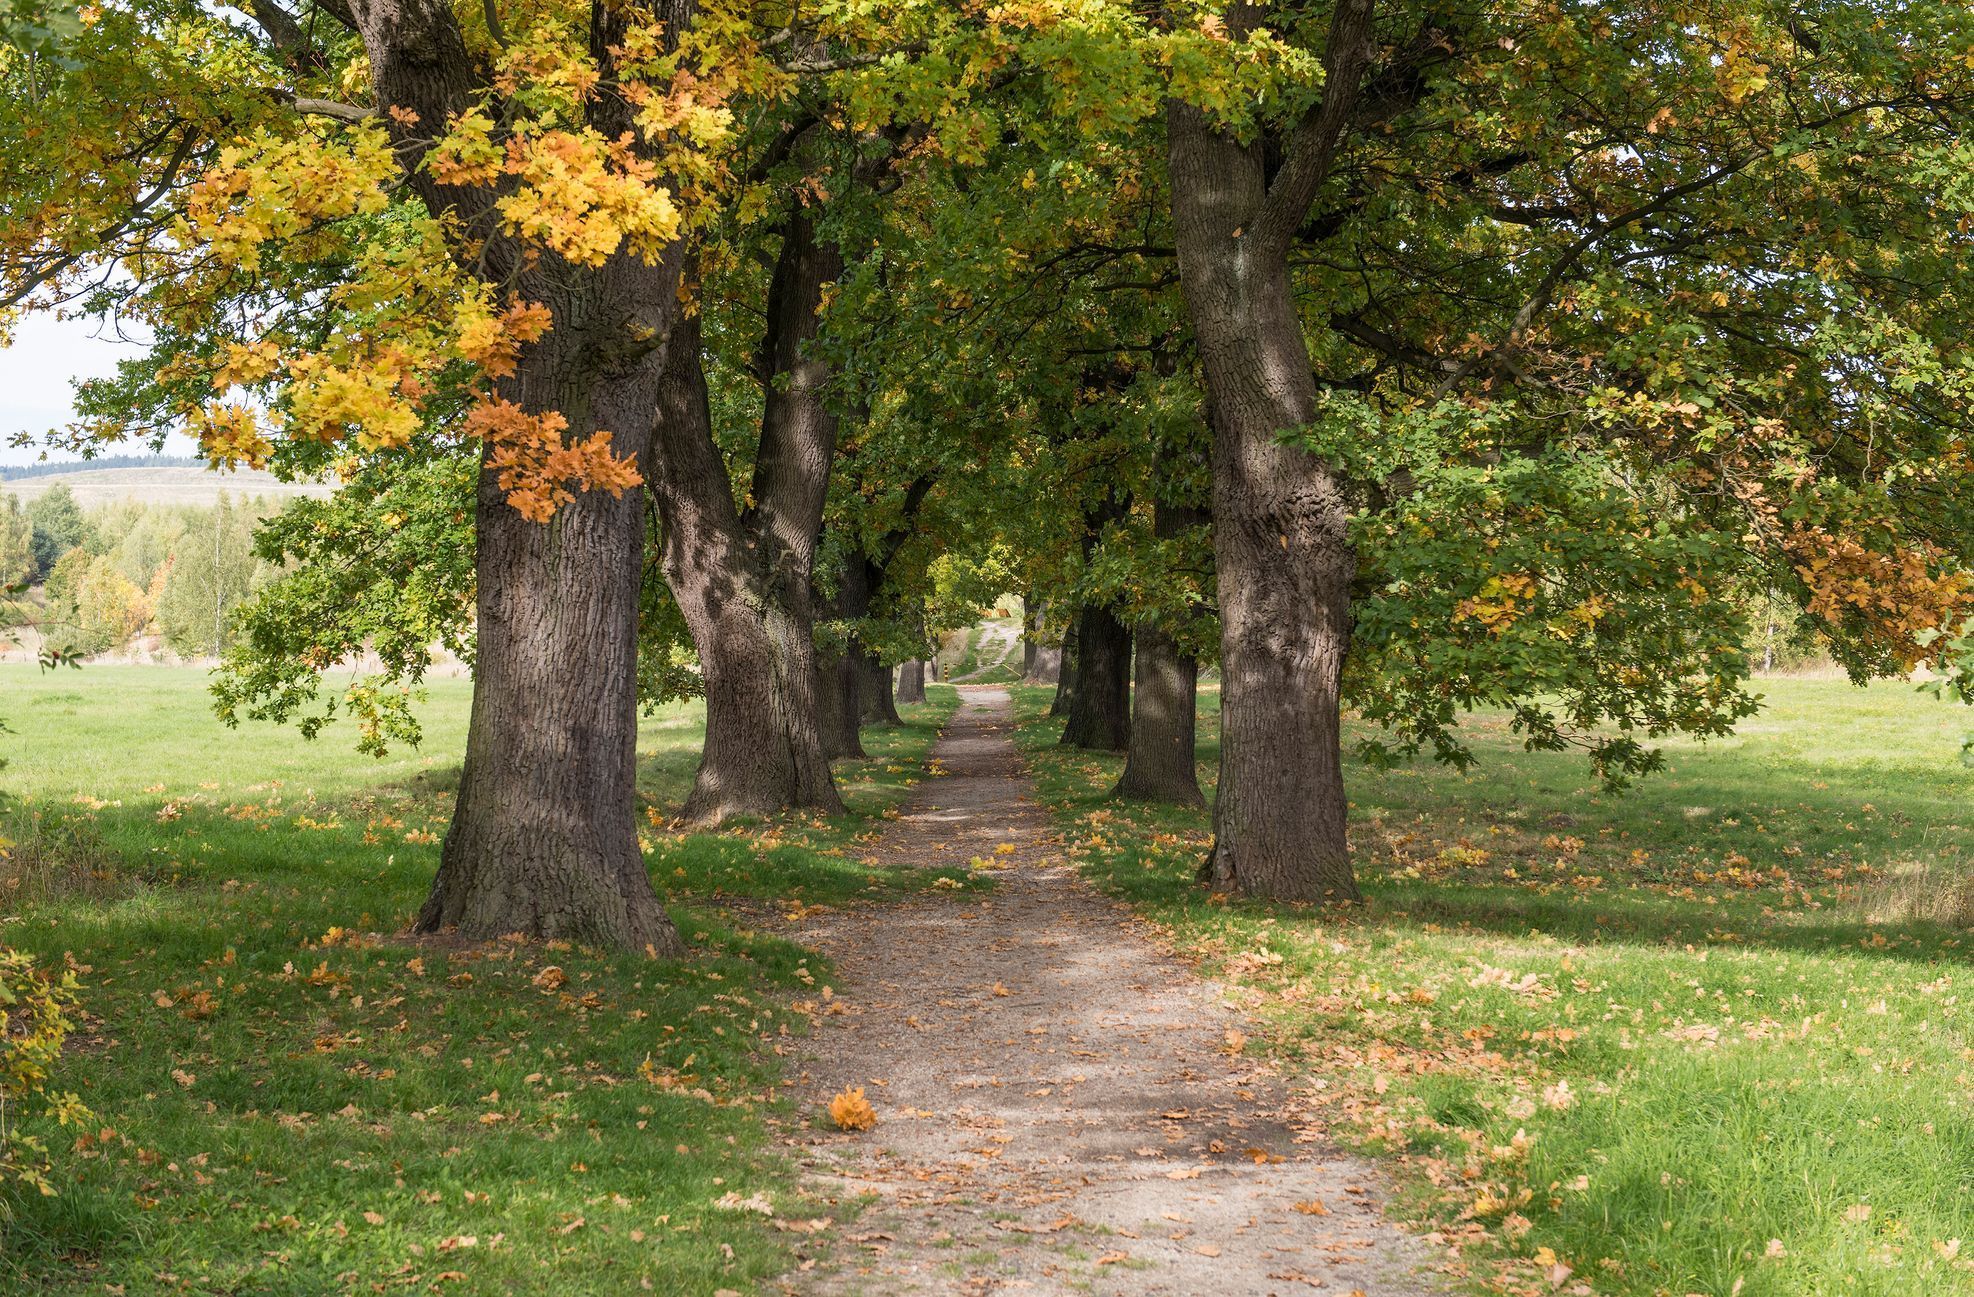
point(1041, 662)
point(911, 682)
point(1030, 626)
point(543, 838)
point(754, 634)
point(1159, 764)
point(1283, 560)
point(1100, 713)
point(1066, 658)
point(879, 707)
point(841, 705)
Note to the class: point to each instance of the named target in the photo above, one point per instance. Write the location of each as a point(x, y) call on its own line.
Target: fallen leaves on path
point(851, 1111)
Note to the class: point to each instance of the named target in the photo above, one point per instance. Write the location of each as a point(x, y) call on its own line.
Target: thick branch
point(1313, 145)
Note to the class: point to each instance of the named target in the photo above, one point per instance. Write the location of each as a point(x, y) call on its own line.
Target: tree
point(1595, 274)
point(58, 524)
point(212, 569)
point(18, 564)
point(487, 247)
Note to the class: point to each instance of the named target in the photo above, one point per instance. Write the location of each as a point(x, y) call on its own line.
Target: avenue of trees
point(1404, 358)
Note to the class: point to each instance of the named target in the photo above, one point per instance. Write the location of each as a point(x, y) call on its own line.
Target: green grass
point(292, 1098)
point(972, 649)
point(1650, 1033)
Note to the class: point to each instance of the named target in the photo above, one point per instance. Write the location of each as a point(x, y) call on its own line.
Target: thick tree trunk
point(1066, 657)
point(1159, 765)
point(763, 749)
point(879, 707)
point(840, 707)
point(911, 682)
point(543, 838)
point(1100, 713)
point(1283, 560)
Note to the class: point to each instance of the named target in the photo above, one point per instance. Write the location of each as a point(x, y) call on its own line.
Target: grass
point(975, 647)
point(292, 1098)
point(1710, 1036)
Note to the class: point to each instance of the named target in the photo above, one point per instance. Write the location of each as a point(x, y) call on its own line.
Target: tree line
point(127, 570)
point(1385, 357)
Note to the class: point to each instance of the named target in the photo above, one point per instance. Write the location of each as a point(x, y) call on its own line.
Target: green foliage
point(384, 568)
point(1541, 583)
point(37, 1011)
point(59, 526)
point(17, 561)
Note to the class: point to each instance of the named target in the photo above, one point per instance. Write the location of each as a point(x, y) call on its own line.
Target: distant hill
point(170, 483)
point(13, 472)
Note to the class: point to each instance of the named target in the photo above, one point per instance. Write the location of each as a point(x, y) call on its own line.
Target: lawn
point(1708, 1036)
point(292, 1097)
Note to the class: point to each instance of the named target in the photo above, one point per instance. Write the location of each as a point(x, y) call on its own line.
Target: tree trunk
point(1041, 662)
point(1159, 764)
point(880, 708)
point(1030, 632)
point(543, 838)
point(911, 682)
point(840, 707)
point(1100, 714)
point(763, 749)
point(1282, 557)
point(1066, 658)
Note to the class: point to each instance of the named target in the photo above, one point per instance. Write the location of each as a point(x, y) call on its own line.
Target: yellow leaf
point(851, 1111)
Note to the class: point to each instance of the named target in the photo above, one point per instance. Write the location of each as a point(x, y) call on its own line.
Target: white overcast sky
point(37, 382)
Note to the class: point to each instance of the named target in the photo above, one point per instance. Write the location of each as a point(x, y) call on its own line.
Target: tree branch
point(1313, 145)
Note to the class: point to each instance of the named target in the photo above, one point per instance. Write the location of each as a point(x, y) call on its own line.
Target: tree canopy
point(1400, 357)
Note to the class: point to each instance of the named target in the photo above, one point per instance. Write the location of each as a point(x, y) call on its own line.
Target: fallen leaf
point(851, 1111)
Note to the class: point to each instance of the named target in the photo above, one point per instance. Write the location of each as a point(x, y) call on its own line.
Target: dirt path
point(993, 635)
point(1057, 1107)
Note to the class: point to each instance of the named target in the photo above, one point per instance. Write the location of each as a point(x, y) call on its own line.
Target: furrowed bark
point(879, 707)
point(1159, 764)
point(1065, 698)
point(911, 682)
point(1100, 712)
point(543, 839)
point(763, 749)
point(1283, 560)
point(1041, 661)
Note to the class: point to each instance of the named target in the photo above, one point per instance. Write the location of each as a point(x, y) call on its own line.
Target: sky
point(37, 379)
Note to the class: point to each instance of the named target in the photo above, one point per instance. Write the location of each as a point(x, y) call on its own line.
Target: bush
point(35, 1008)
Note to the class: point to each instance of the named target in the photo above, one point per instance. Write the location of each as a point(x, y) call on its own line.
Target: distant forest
point(12, 472)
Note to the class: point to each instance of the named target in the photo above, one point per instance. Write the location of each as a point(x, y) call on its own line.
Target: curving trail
point(1006, 637)
point(1057, 1107)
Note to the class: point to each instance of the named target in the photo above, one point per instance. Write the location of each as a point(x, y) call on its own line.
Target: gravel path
point(1059, 1109)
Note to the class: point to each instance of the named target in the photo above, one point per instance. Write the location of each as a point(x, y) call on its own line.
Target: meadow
point(1710, 1035)
point(292, 1097)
